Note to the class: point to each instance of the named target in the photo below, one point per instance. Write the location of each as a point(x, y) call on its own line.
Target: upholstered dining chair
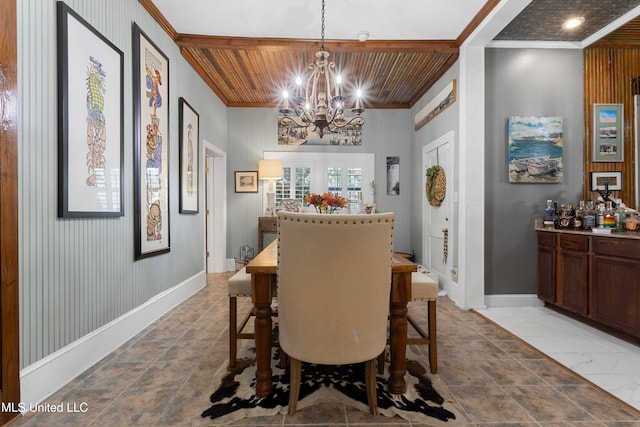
point(334, 282)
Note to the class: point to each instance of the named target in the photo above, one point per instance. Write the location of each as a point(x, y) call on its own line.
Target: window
point(295, 183)
point(346, 174)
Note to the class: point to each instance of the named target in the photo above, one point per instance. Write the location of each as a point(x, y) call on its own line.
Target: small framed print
point(246, 181)
point(600, 181)
point(608, 133)
point(189, 157)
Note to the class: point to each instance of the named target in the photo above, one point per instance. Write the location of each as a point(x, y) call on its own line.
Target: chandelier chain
point(322, 28)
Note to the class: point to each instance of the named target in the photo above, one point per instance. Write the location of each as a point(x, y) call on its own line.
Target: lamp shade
point(270, 169)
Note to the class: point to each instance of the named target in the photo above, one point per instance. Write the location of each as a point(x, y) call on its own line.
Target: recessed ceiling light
point(572, 23)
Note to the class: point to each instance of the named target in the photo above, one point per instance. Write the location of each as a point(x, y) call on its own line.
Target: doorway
point(437, 221)
point(215, 208)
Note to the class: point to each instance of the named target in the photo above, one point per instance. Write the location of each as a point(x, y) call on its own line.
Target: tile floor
point(605, 360)
point(163, 377)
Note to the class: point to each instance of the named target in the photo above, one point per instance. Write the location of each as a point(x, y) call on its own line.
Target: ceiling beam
point(250, 43)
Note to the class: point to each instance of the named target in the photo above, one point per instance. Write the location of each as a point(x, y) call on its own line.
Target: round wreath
point(436, 185)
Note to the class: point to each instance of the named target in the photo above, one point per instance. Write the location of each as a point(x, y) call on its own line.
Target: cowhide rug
point(235, 398)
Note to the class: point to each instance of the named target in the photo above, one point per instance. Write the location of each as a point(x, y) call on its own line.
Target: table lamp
point(271, 170)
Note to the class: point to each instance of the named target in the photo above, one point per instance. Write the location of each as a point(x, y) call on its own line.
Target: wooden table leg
point(261, 284)
point(400, 289)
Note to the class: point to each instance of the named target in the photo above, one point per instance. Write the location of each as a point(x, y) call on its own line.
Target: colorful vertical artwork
point(90, 120)
point(96, 129)
point(151, 92)
point(535, 149)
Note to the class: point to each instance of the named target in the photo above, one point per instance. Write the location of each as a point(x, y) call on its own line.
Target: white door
point(437, 221)
point(215, 209)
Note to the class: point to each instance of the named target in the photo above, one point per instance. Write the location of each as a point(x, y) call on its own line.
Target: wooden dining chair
point(424, 288)
point(334, 282)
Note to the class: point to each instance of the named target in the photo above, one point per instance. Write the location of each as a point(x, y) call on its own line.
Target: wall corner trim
point(43, 378)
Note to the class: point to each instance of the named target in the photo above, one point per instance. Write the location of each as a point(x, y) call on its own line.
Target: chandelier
point(321, 109)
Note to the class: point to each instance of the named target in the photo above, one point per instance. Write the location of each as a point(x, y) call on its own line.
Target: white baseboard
point(43, 378)
point(513, 300)
point(230, 264)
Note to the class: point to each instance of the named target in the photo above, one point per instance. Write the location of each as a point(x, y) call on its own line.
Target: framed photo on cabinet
point(90, 120)
point(151, 147)
point(610, 180)
point(189, 157)
point(608, 133)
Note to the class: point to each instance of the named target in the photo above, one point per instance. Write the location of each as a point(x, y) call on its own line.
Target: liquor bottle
point(565, 221)
point(589, 221)
point(571, 212)
point(631, 224)
point(621, 215)
point(600, 215)
point(549, 212)
point(609, 219)
point(578, 220)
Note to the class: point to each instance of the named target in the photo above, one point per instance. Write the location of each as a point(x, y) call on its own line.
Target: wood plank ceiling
point(251, 72)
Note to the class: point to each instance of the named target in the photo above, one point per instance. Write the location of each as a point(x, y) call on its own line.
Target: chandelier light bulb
point(285, 94)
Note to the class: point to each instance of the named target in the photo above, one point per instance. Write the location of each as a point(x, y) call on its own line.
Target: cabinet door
point(616, 285)
point(547, 273)
point(573, 269)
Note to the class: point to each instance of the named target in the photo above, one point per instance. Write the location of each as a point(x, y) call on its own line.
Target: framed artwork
point(610, 180)
point(608, 133)
point(189, 157)
point(535, 149)
point(393, 175)
point(443, 100)
point(290, 134)
point(246, 181)
point(151, 147)
point(90, 120)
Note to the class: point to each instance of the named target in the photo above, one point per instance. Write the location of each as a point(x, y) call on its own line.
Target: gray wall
point(77, 275)
point(526, 82)
point(445, 122)
point(253, 131)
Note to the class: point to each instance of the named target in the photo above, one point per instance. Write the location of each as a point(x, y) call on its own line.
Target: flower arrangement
point(325, 203)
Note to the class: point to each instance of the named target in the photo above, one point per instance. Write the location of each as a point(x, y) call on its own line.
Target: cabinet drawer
point(623, 248)
point(574, 242)
point(546, 238)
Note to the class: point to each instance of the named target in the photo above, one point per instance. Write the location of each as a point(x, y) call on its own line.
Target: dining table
point(263, 270)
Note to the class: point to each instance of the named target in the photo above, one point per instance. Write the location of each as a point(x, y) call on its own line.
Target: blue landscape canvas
point(535, 149)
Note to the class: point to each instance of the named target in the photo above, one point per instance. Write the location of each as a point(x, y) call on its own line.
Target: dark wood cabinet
point(593, 278)
point(547, 267)
point(573, 273)
point(267, 231)
point(616, 284)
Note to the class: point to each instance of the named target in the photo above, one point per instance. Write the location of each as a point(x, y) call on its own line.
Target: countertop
point(614, 234)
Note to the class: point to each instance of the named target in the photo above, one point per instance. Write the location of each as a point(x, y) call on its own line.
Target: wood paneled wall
point(608, 76)
point(9, 267)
